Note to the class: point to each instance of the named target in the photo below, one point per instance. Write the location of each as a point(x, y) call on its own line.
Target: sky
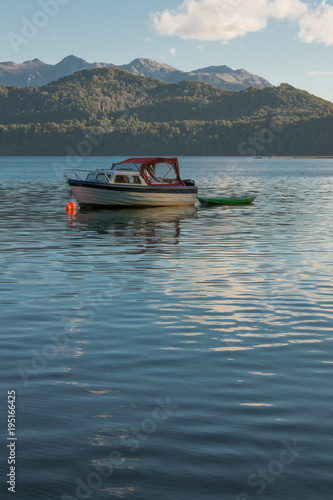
point(283, 41)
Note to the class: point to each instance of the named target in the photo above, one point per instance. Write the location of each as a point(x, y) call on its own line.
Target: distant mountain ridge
point(37, 73)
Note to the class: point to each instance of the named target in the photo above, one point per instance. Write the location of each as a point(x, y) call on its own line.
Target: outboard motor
point(188, 182)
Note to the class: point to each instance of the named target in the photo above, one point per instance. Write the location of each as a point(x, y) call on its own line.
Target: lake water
point(159, 354)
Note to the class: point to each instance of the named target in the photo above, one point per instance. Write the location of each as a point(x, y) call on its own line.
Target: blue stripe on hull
point(134, 189)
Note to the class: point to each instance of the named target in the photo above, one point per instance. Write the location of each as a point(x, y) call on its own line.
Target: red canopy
point(153, 161)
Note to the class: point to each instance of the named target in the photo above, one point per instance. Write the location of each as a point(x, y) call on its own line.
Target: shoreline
point(294, 158)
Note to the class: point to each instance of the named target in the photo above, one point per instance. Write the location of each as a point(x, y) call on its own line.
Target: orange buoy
point(71, 206)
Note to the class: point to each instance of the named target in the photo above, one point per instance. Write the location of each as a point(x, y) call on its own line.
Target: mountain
point(68, 66)
point(108, 111)
point(154, 69)
point(21, 75)
point(231, 79)
point(37, 73)
point(222, 76)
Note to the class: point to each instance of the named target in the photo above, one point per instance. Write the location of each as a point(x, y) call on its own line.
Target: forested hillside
point(134, 115)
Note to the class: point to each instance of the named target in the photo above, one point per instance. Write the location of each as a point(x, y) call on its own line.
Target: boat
point(135, 182)
point(230, 200)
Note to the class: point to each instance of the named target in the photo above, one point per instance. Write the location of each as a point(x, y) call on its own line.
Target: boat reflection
point(144, 228)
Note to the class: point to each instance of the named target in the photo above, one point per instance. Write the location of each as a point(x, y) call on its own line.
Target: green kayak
point(231, 200)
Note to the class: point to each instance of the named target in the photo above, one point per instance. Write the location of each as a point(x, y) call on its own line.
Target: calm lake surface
point(174, 353)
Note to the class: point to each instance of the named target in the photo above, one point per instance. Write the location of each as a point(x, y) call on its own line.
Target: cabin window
point(127, 179)
point(102, 178)
point(122, 179)
point(90, 177)
point(134, 179)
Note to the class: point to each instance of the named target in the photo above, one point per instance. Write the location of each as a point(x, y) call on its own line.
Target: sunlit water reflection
point(180, 353)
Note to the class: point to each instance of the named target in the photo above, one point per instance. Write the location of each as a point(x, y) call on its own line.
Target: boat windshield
point(129, 166)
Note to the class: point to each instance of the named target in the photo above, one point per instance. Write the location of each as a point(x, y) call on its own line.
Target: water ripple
point(191, 343)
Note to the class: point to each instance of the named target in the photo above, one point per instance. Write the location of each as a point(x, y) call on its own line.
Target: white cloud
point(320, 73)
point(172, 51)
point(316, 25)
point(212, 19)
point(286, 9)
point(224, 20)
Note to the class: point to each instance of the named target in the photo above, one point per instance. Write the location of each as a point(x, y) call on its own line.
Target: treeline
point(133, 115)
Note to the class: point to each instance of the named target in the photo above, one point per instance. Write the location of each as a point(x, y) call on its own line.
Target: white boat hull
point(89, 194)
